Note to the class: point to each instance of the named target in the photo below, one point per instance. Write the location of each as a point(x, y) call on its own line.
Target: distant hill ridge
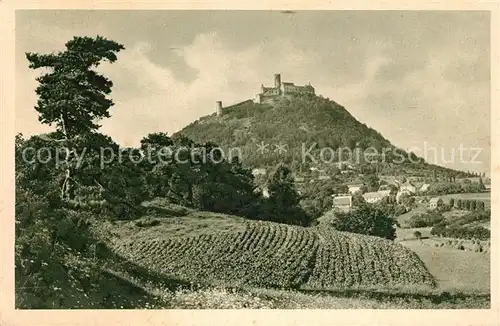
point(297, 124)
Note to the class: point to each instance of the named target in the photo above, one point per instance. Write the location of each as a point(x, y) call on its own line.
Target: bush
point(400, 210)
point(471, 217)
point(54, 255)
point(452, 202)
point(477, 248)
point(438, 230)
point(425, 220)
point(147, 222)
point(461, 232)
point(366, 219)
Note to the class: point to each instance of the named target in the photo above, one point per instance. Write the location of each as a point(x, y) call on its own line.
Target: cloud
point(149, 97)
point(425, 106)
point(415, 78)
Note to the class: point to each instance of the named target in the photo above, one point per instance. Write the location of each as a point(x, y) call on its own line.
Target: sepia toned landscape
point(193, 162)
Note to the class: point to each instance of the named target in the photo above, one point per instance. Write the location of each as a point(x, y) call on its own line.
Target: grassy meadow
point(454, 270)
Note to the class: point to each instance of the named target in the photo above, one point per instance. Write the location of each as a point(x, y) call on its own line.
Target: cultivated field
point(347, 259)
point(408, 233)
point(265, 254)
point(181, 258)
point(454, 270)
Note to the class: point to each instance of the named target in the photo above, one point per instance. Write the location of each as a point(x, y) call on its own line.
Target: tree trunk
point(66, 187)
point(190, 193)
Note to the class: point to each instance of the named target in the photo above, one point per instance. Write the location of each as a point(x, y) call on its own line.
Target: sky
point(420, 78)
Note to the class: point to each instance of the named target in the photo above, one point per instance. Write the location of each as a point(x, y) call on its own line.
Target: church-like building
point(281, 89)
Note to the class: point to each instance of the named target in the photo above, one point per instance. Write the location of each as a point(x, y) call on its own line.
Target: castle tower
point(277, 80)
point(218, 108)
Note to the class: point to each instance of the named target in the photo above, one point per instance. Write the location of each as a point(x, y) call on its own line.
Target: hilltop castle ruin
point(268, 95)
point(281, 89)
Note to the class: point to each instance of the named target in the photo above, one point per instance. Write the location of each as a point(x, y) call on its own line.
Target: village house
point(435, 203)
point(372, 197)
point(384, 190)
point(353, 188)
point(265, 192)
point(384, 193)
point(342, 202)
point(408, 187)
point(299, 179)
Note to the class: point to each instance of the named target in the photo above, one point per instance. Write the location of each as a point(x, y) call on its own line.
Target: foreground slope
point(221, 250)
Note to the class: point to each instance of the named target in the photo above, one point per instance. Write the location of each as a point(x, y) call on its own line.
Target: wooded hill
point(306, 124)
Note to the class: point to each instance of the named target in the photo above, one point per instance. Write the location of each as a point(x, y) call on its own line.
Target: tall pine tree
point(72, 95)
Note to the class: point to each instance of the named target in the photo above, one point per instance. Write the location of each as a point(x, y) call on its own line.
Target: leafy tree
point(358, 199)
point(366, 219)
point(197, 175)
point(159, 168)
point(114, 189)
point(316, 197)
point(407, 200)
point(425, 220)
point(443, 188)
point(461, 232)
point(71, 95)
point(283, 202)
point(394, 189)
point(282, 188)
point(156, 141)
point(392, 209)
point(226, 187)
point(438, 229)
point(371, 181)
point(417, 234)
point(54, 246)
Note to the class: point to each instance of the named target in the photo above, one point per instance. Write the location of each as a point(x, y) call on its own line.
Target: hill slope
point(216, 249)
point(298, 124)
